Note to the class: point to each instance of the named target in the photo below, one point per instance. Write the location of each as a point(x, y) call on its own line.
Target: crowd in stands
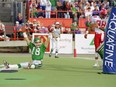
point(68, 8)
point(74, 9)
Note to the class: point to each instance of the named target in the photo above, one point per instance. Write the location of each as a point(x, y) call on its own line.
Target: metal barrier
point(53, 14)
point(12, 32)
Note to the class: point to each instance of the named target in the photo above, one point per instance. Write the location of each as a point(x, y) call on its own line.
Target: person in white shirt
point(88, 12)
point(48, 9)
point(42, 4)
point(55, 39)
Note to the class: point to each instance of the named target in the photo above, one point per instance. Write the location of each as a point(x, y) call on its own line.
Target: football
point(50, 28)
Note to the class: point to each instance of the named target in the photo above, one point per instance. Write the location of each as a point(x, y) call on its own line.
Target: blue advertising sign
point(109, 60)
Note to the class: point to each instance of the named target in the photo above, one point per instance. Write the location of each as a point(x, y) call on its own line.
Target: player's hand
point(50, 29)
point(85, 36)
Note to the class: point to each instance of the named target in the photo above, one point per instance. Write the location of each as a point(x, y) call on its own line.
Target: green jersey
point(37, 52)
point(74, 26)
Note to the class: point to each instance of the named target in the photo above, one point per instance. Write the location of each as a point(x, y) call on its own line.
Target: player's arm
point(90, 28)
point(25, 35)
point(88, 24)
point(87, 31)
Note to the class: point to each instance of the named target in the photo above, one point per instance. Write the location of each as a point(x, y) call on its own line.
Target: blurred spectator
point(64, 29)
point(106, 4)
point(18, 27)
point(88, 12)
point(74, 12)
point(67, 15)
point(43, 29)
point(20, 19)
point(32, 3)
point(33, 11)
point(40, 28)
point(3, 32)
point(54, 12)
point(43, 4)
point(40, 13)
point(60, 9)
point(114, 3)
point(61, 1)
point(37, 29)
point(28, 27)
point(96, 11)
point(92, 5)
point(53, 3)
point(34, 25)
point(78, 31)
point(79, 13)
point(74, 28)
point(68, 5)
point(38, 4)
point(86, 6)
point(48, 9)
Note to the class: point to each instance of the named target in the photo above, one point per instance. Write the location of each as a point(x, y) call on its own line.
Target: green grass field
point(65, 71)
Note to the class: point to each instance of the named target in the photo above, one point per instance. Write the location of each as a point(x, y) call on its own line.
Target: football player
point(56, 31)
point(98, 24)
point(37, 51)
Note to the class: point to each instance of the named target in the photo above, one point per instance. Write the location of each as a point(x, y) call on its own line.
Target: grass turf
point(65, 71)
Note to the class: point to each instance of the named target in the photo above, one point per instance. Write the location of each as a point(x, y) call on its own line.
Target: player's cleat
point(56, 57)
point(6, 64)
point(96, 65)
point(50, 55)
